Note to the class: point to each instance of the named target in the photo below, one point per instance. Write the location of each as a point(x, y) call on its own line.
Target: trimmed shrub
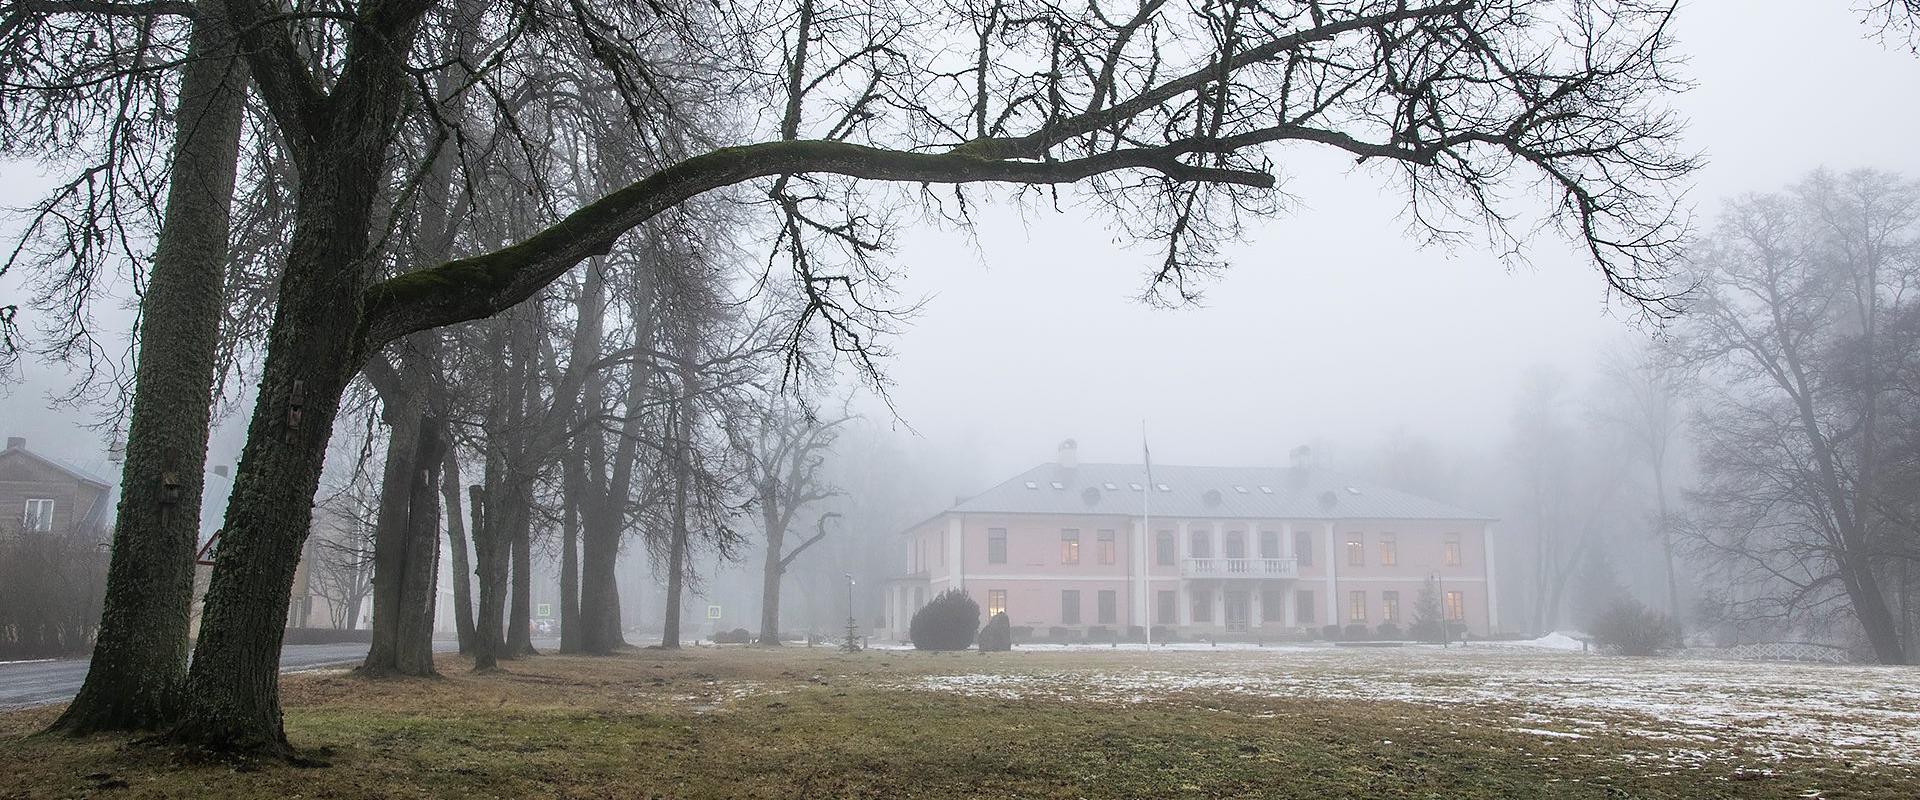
point(1355, 632)
point(997, 637)
point(948, 622)
point(1100, 633)
point(1330, 633)
point(1628, 628)
point(1136, 633)
point(1387, 631)
point(735, 636)
point(1021, 633)
point(1059, 634)
point(1162, 633)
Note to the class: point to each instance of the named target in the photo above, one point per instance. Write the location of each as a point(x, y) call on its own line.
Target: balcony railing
point(1240, 568)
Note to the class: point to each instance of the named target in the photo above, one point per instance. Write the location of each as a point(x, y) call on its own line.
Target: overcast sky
point(1332, 325)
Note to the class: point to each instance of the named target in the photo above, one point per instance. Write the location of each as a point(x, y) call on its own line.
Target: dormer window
point(1240, 489)
point(1136, 487)
point(1032, 485)
point(1110, 486)
point(1163, 487)
point(1266, 490)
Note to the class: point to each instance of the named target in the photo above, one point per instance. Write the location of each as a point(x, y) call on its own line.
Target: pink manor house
point(1228, 552)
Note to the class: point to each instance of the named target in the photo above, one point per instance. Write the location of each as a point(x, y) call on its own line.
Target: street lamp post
point(852, 644)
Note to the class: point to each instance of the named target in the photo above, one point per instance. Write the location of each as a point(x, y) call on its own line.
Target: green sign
point(543, 610)
point(713, 612)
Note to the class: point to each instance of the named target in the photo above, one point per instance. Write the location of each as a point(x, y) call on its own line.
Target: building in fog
point(1233, 552)
point(43, 496)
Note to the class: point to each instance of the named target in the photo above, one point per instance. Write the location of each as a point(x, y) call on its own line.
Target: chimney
point(1302, 461)
point(1069, 454)
point(16, 443)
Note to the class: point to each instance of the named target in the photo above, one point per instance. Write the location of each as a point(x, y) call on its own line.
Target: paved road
point(28, 683)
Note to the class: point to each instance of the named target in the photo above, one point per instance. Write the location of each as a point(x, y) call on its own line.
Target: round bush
point(1387, 632)
point(1628, 628)
point(948, 622)
point(997, 637)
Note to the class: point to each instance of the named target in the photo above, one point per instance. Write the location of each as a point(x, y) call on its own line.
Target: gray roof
point(1204, 492)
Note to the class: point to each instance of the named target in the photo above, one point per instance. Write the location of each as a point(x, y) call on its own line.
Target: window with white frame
point(39, 515)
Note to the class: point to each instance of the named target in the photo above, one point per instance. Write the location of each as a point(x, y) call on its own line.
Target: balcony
point(1250, 568)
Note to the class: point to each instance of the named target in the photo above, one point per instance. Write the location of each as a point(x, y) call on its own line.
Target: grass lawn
point(740, 722)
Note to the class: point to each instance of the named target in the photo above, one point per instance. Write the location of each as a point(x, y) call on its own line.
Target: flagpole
point(1146, 528)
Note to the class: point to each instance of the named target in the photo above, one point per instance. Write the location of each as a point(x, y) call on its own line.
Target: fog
point(1356, 386)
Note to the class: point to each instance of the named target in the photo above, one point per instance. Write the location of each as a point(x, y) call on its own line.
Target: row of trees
point(516, 226)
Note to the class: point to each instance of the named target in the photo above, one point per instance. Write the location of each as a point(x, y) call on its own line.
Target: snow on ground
point(1684, 711)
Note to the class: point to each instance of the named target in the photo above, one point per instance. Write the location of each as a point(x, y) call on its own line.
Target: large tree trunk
point(407, 533)
point(770, 574)
point(491, 572)
point(570, 555)
point(677, 547)
point(139, 661)
point(457, 546)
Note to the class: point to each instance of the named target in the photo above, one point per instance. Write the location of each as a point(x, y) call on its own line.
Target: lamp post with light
point(852, 644)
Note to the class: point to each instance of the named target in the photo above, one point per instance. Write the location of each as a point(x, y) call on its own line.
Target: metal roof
point(1204, 492)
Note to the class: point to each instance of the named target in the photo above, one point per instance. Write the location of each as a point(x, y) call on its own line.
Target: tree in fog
point(1796, 339)
point(74, 84)
point(1642, 399)
point(1569, 484)
point(783, 456)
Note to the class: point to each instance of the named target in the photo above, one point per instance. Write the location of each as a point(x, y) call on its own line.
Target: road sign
point(543, 610)
point(713, 612)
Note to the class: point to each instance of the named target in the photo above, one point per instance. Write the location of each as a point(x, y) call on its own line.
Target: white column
point(1182, 601)
point(1493, 604)
point(1293, 614)
point(1286, 540)
point(956, 554)
point(1255, 605)
point(1333, 577)
point(1218, 541)
point(1220, 607)
point(1183, 542)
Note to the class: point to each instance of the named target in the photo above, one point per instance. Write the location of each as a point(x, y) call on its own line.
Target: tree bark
point(457, 546)
point(770, 574)
point(491, 573)
point(313, 351)
point(139, 665)
point(570, 555)
point(406, 538)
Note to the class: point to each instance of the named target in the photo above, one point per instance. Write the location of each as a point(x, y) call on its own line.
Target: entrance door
point(1236, 612)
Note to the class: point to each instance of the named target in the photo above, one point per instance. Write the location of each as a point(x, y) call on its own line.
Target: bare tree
point(1792, 448)
point(1643, 399)
point(783, 456)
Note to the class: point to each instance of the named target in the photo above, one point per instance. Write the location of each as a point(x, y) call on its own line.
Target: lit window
point(1070, 546)
point(1453, 549)
point(1389, 550)
point(996, 602)
point(1456, 606)
point(1356, 550)
point(39, 515)
point(1389, 606)
point(996, 545)
point(1357, 606)
point(1106, 547)
point(1070, 606)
